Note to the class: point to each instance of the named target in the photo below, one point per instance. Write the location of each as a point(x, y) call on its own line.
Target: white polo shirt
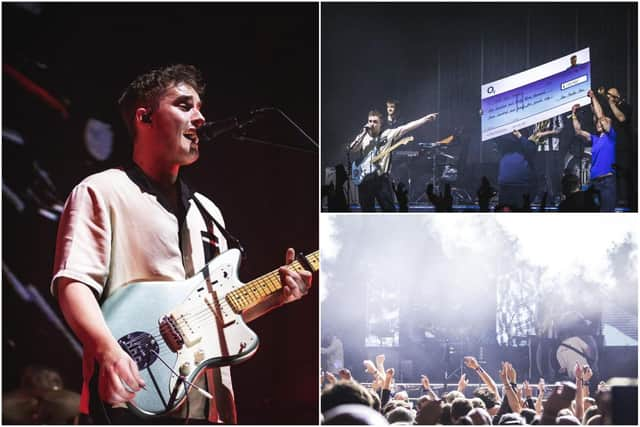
point(115, 230)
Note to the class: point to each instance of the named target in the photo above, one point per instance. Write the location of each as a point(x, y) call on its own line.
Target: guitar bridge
point(170, 333)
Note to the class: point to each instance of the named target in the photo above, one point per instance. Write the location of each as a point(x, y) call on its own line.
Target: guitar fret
point(256, 290)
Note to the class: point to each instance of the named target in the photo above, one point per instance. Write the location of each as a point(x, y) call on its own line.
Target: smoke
point(454, 262)
point(330, 245)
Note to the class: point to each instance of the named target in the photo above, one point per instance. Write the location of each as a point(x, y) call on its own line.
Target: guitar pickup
point(184, 324)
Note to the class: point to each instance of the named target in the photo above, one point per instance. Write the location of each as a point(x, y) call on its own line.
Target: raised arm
point(386, 387)
point(462, 384)
point(426, 384)
point(576, 124)
point(380, 362)
point(540, 397)
point(408, 127)
point(472, 363)
point(614, 107)
point(510, 394)
point(554, 131)
point(597, 108)
point(82, 312)
point(579, 397)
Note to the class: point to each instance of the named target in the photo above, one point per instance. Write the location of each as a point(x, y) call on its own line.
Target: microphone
point(366, 126)
point(212, 130)
point(261, 110)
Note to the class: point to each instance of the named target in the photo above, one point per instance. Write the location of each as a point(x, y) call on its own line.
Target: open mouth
point(191, 136)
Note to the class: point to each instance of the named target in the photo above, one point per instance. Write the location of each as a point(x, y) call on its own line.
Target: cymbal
point(51, 407)
point(19, 407)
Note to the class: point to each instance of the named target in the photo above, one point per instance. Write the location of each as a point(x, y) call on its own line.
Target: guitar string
point(206, 313)
point(223, 303)
point(265, 285)
point(261, 282)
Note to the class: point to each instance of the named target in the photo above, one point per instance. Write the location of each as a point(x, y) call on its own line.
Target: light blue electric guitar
point(374, 161)
point(173, 330)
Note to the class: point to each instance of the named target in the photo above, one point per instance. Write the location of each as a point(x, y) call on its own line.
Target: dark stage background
point(252, 55)
point(433, 57)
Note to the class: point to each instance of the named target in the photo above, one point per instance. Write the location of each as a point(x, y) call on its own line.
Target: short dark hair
point(487, 396)
point(343, 392)
point(394, 102)
point(147, 89)
point(460, 407)
point(401, 414)
point(376, 113)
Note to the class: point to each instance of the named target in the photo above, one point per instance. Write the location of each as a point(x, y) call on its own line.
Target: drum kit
point(41, 399)
point(442, 165)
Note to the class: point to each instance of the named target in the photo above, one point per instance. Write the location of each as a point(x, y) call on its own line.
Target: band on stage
point(581, 161)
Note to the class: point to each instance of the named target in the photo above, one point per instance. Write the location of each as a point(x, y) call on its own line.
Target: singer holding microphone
point(142, 223)
point(376, 183)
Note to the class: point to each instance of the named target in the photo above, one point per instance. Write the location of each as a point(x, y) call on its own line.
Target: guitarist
point(376, 184)
point(142, 223)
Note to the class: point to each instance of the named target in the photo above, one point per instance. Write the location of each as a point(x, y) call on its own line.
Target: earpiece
point(146, 117)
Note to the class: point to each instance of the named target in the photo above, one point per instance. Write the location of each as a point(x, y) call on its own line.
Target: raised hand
point(511, 373)
point(370, 368)
point(377, 383)
point(503, 374)
point(587, 373)
point(388, 377)
point(540, 388)
point(331, 379)
point(425, 382)
point(579, 372)
point(462, 383)
point(380, 362)
point(345, 374)
point(471, 362)
point(390, 373)
point(527, 389)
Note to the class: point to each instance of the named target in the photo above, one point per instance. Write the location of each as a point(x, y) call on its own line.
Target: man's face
point(391, 109)
point(600, 124)
point(174, 125)
point(613, 94)
point(374, 125)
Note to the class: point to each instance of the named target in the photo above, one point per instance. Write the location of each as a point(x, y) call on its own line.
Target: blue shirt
point(603, 153)
point(515, 163)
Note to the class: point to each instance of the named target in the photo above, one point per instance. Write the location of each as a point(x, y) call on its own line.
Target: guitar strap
point(208, 219)
point(580, 353)
point(211, 250)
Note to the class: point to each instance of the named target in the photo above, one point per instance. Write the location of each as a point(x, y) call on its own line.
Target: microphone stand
point(290, 120)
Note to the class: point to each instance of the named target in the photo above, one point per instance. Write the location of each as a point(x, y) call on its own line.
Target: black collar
point(137, 175)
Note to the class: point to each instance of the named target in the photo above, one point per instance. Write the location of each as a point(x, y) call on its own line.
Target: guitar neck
point(386, 152)
point(258, 289)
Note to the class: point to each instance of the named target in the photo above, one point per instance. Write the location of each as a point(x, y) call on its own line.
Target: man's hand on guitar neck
point(294, 286)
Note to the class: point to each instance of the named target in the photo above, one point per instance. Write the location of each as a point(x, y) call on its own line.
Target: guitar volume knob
point(185, 368)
